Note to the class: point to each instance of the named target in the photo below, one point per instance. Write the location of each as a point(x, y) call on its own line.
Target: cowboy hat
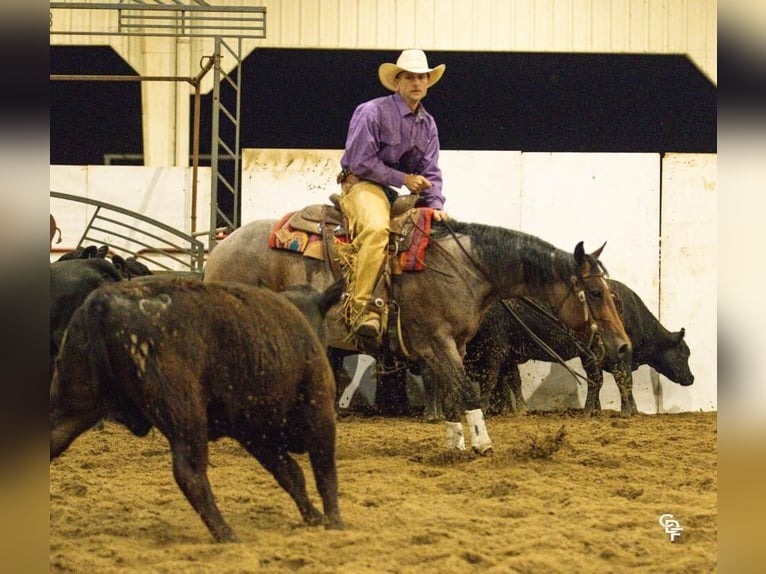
point(409, 61)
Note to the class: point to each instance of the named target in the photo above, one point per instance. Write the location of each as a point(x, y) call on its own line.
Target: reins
point(582, 297)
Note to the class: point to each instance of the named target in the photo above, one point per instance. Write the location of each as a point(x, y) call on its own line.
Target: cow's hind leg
point(190, 458)
point(65, 429)
point(320, 442)
point(289, 476)
point(623, 376)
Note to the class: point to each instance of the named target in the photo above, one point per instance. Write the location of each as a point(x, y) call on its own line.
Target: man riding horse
point(392, 141)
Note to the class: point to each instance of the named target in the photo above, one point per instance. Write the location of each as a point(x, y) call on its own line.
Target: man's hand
point(416, 183)
point(440, 215)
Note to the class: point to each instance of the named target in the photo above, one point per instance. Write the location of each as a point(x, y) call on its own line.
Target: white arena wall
point(657, 215)
point(162, 193)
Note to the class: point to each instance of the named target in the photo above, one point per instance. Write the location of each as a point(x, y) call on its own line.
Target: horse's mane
point(496, 247)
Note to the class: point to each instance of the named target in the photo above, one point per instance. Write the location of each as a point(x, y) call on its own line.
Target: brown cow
point(202, 361)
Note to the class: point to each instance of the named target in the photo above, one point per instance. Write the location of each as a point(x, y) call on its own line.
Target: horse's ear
point(598, 251)
point(681, 334)
point(579, 253)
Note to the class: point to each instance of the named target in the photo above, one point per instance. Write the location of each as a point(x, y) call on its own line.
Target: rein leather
point(581, 295)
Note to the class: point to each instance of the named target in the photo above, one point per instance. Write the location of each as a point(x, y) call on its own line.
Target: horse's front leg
point(459, 393)
point(433, 411)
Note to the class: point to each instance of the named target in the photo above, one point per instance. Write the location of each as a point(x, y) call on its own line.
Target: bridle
point(578, 288)
point(594, 350)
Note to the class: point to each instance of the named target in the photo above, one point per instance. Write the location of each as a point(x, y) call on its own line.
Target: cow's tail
point(332, 295)
point(110, 383)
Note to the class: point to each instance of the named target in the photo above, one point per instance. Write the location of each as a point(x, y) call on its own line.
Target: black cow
point(200, 361)
point(74, 276)
point(71, 281)
point(501, 344)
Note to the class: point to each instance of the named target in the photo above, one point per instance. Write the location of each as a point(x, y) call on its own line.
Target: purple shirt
point(386, 141)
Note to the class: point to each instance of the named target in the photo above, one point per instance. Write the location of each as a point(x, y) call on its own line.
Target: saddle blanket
point(284, 236)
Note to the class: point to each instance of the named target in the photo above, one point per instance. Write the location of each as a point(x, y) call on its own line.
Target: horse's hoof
point(484, 450)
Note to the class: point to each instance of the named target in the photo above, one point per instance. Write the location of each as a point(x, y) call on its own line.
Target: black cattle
point(71, 281)
point(314, 305)
point(501, 344)
point(74, 276)
point(202, 361)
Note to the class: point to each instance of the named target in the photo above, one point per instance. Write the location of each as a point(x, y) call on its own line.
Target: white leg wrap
point(455, 436)
point(480, 441)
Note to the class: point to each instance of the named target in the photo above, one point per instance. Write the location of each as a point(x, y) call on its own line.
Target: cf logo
point(671, 525)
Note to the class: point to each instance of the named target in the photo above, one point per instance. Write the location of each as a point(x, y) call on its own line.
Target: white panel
point(329, 23)
point(277, 181)
point(480, 187)
point(594, 198)
point(638, 14)
point(288, 24)
point(504, 26)
point(425, 24)
point(619, 27)
point(463, 24)
point(542, 25)
point(309, 23)
point(710, 62)
point(71, 218)
point(386, 24)
point(561, 26)
point(658, 25)
point(348, 14)
point(582, 25)
point(601, 16)
point(689, 272)
point(677, 27)
point(163, 194)
point(367, 18)
point(597, 197)
point(408, 27)
point(444, 25)
point(483, 186)
point(640, 26)
point(482, 33)
point(522, 37)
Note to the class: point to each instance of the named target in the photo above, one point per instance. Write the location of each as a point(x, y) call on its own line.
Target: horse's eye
point(596, 293)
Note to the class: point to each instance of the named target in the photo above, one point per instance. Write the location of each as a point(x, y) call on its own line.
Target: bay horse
point(468, 266)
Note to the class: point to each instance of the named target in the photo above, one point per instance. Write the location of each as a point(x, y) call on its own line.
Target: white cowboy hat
point(409, 61)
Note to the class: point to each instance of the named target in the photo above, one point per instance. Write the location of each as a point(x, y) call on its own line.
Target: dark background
point(301, 98)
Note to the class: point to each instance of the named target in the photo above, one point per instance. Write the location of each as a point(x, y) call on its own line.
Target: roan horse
point(468, 266)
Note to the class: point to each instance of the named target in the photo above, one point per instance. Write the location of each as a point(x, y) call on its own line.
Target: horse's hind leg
point(432, 411)
point(190, 458)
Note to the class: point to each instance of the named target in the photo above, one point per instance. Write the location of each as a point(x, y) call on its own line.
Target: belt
point(347, 179)
point(346, 176)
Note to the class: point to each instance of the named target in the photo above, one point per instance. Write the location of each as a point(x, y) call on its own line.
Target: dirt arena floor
point(562, 493)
